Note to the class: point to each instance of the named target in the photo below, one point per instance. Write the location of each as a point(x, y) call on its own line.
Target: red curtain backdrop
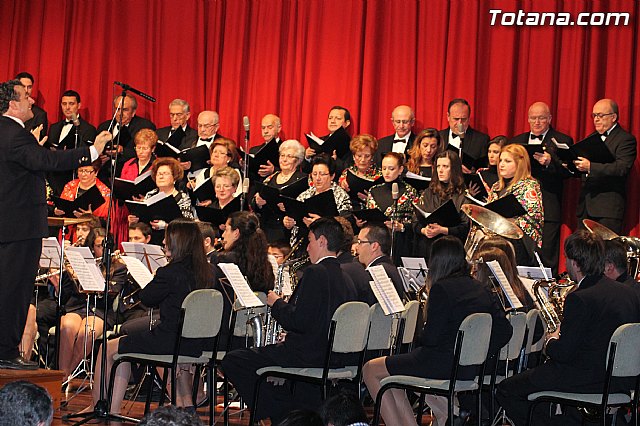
point(298, 58)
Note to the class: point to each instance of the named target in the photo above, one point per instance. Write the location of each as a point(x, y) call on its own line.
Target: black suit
point(475, 144)
point(190, 136)
point(126, 139)
point(192, 143)
point(391, 271)
point(23, 222)
point(360, 277)
point(551, 182)
point(39, 117)
point(86, 133)
point(385, 145)
point(322, 289)
point(602, 197)
point(577, 358)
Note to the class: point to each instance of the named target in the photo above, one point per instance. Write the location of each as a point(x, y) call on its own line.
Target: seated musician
point(280, 250)
point(74, 343)
point(291, 156)
point(453, 296)
point(577, 356)
point(186, 271)
point(423, 152)
point(306, 318)
point(616, 263)
point(515, 178)
point(208, 239)
point(363, 148)
point(165, 173)
point(245, 245)
point(447, 183)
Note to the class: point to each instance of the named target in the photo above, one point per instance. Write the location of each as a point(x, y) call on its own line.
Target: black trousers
point(551, 245)
point(18, 267)
point(275, 402)
point(512, 395)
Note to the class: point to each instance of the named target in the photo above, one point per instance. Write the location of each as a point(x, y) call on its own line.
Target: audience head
point(27, 80)
point(615, 258)
point(139, 232)
point(363, 147)
point(584, 253)
point(169, 415)
point(226, 183)
point(279, 249)
point(325, 238)
point(447, 178)
point(270, 127)
point(222, 152)
point(184, 243)
point(208, 235)
point(447, 259)
point(349, 236)
point(374, 240)
point(514, 165)
point(84, 229)
point(495, 147)
point(338, 117)
point(14, 100)
point(179, 113)
point(95, 241)
point(539, 118)
point(25, 404)
point(144, 144)
point(208, 124)
point(458, 113)
point(403, 120)
point(343, 409)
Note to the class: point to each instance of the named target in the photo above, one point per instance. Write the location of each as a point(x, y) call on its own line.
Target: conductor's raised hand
point(101, 141)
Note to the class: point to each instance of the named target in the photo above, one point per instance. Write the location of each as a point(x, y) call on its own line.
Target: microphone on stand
point(245, 191)
point(395, 194)
point(245, 163)
point(245, 124)
point(460, 129)
point(75, 120)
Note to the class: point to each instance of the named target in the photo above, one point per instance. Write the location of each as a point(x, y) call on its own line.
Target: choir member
point(423, 151)
point(363, 147)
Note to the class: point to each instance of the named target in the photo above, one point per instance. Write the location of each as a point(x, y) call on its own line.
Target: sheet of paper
point(150, 255)
point(497, 271)
point(50, 256)
point(418, 177)
point(138, 271)
point(142, 177)
point(315, 138)
point(85, 276)
point(245, 295)
point(389, 301)
point(560, 145)
point(84, 251)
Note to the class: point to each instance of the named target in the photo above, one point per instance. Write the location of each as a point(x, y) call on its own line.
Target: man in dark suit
point(548, 169)
point(39, 115)
point(23, 212)
point(62, 135)
point(602, 197)
point(351, 265)
point(461, 137)
point(374, 245)
point(403, 120)
point(592, 313)
point(270, 128)
point(616, 266)
point(208, 126)
point(339, 116)
point(306, 317)
point(179, 113)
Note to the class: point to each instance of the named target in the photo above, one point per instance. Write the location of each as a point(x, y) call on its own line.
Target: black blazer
point(603, 190)
point(39, 117)
point(551, 178)
point(360, 277)
point(385, 145)
point(591, 314)
point(135, 125)
point(307, 315)
point(476, 144)
point(23, 163)
point(190, 135)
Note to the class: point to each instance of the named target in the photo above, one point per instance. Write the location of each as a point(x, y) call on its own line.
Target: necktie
point(536, 137)
point(206, 139)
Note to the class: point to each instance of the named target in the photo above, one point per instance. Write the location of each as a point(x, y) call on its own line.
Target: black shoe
point(18, 363)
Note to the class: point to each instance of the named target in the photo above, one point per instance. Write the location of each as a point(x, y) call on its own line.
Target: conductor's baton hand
point(101, 141)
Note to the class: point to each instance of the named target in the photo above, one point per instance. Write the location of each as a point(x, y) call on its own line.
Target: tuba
point(552, 304)
point(485, 222)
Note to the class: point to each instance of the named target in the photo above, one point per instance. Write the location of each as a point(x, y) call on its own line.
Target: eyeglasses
point(86, 172)
point(365, 241)
point(318, 174)
point(540, 118)
point(223, 187)
point(223, 154)
point(288, 156)
point(206, 126)
point(176, 114)
point(601, 115)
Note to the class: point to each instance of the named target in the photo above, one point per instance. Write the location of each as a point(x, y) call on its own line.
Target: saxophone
point(552, 305)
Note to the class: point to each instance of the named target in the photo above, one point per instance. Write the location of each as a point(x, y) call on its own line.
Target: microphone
point(245, 124)
point(460, 129)
point(75, 120)
point(125, 86)
point(395, 192)
point(245, 186)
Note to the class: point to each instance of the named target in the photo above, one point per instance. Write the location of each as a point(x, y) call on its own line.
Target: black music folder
point(533, 149)
point(217, 217)
point(323, 204)
point(199, 157)
point(204, 191)
point(371, 215)
point(446, 215)
point(467, 160)
point(165, 149)
point(273, 195)
point(159, 207)
point(418, 182)
point(507, 206)
point(338, 141)
point(474, 178)
point(269, 152)
point(124, 189)
point(592, 148)
point(91, 197)
point(360, 184)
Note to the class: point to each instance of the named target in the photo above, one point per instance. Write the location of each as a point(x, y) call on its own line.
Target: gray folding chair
point(530, 346)
point(623, 360)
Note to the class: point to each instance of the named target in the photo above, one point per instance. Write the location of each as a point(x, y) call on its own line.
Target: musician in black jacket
point(547, 168)
point(306, 317)
point(592, 313)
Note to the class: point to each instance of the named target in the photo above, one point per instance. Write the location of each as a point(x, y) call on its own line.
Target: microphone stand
point(245, 165)
point(394, 217)
point(101, 409)
point(75, 171)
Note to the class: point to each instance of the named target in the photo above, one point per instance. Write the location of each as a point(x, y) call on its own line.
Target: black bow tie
point(207, 139)
point(455, 135)
point(604, 136)
point(399, 140)
point(536, 137)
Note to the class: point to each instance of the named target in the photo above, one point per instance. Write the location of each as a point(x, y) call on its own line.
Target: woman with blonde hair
point(423, 152)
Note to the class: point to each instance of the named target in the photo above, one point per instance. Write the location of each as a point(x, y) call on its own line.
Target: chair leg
point(112, 379)
point(174, 384)
point(225, 390)
point(531, 408)
point(254, 405)
point(450, 400)
point(420, 409)
point(377, 406)
point(212, 382)
point(152, 380)
point(196, 384)
point(165, 377)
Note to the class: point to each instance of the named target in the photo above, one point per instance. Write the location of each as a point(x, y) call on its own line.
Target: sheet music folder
point(371, 215)
point(217, 217)
point(158, 207)
point(273, 195)
point(592, 148)
point(91, 197)
point(124, 189)
point(446, 215)
point(359, 184)
point(338, 141)
point(269, 152)
point(323, 204)
point(507, 206)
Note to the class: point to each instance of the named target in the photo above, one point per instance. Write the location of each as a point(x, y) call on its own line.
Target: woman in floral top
point(514, 177)
point(362, 147)
point(380, 197)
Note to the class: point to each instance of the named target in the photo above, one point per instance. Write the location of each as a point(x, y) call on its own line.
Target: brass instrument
point(632, 244)
point(552, 305)
point(484, 223)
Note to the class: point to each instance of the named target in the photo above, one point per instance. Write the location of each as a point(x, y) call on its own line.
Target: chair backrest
point(627, 357)
point(475, 342)
point(352, 327)
point(530, 345)
point(380, 329)
point(240, 328)
point(513, 347)
point(410, 316)
point(202, 314)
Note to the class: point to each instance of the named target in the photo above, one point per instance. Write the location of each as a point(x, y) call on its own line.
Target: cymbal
point(64, 221)
point(600, 230)
point(492, 221)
